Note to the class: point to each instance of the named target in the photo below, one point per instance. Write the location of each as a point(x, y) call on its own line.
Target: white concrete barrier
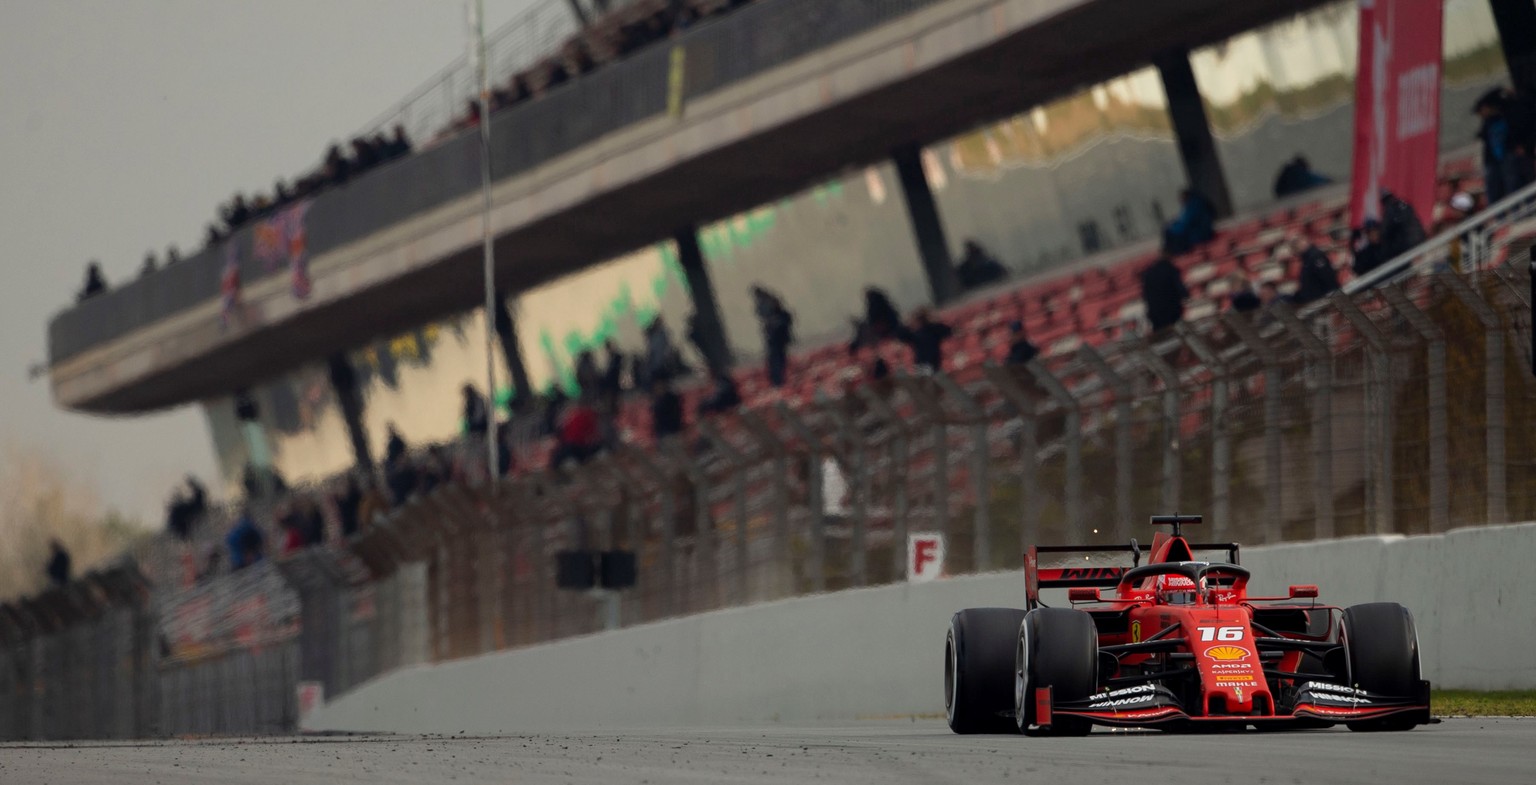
point(879, 652)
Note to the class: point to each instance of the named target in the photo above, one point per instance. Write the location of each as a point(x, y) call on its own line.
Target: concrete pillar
point(712, 339)
point(1516, 21)
point(512, 353)
point(344, 383)
point(927, 228)
point(1192, 129)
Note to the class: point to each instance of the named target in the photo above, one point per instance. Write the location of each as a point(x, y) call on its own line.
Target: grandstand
point(813, 487)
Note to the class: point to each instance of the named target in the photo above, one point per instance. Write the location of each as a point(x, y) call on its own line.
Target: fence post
point(1274, 382)
point(815, 451)
point(1170, 379)
point(1435, 408)
point(981, 546)
point(901, 440)
point(1029, 450)
point(938, 438)
point(770, 443)
point(662, 476)
point(1493, 391)
point(1378, 412)
point(1073, 436)
point(739, 466)
point(1221, 435)
point(1320, 368)
point(1117, 384)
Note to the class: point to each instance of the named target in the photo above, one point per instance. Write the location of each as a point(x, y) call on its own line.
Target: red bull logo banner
point(1397, 106)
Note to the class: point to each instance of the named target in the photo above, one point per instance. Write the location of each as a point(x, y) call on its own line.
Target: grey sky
point(124, 123)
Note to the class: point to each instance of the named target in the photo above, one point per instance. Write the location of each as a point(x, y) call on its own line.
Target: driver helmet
point(1176, 590)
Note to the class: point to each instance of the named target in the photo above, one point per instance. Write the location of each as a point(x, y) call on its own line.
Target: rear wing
point(1098, 576)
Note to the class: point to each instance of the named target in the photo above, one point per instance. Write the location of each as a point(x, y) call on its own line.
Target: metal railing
point(1379, 411)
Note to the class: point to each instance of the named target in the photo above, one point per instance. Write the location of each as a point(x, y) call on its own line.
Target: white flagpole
point(484, 82)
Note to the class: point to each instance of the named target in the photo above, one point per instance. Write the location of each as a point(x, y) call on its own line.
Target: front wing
point(1314, 704)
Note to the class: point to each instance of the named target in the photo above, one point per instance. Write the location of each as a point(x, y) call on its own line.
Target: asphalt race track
point(1459, 751)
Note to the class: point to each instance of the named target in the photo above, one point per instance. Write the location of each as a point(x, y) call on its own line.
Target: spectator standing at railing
point(293, 531)
point(1369, 253)
point(1506, 149)
point(725, 398)
point(926, 337)
point(1316, 277)
point(1163, 292)
point(1401, 229)
point(58, 564)
point(476, 418)
point(881, 320)
point(1240, 294)
point(977, 267)
point(394, 447)
point(613, 372)
point(245, 542)
point(185, 509)
point(1194, 226)
point(666, 410)
point(580, 436)
point(149, 265)
point(348, 500)
point(778, 333)
point(588, 377)
point(94, 282)
point(1021, 350)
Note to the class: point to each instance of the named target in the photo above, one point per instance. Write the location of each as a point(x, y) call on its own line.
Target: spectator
point(349, 501)
point(1021, 350)
point(292, 524)
point(1317, 278)
point(1506, 154)
point(588, 378)
point(1297, 176)
point(725, 398)
point(1269, 292)
point(172, 255)
point(977, 267)
point(666, 410)
point(1369, 253)
point(94, 283)
point(149, 266)
point(394, 446)
point(926, 337)
point(580, 435)
point(476, 420)
point(613, 372)
point(879, 370)
point(1401, 229)
point(186, 509)
point(399, 144)
point(58, 564)
point(312, 520)
point(881, 321)
point(1241, 294)
point(245, 542)
point(662, 360)
point(554, 412)
point(1460, 206)
point(1164, 293)
point(503, 449)
point(1194, 226)
point(778, 333)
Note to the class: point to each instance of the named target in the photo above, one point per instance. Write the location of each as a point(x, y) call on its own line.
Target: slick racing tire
point(978, 670)
point(1382, 650)
point(1057, 648)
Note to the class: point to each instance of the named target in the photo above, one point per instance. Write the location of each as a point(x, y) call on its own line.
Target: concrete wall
point(876, 652)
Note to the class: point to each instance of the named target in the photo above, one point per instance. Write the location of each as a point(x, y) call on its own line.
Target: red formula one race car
point(1179, 645)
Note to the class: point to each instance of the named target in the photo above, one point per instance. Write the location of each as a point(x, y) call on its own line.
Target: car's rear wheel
point(1056, 648)
point(1382, 651)
point(978, 670)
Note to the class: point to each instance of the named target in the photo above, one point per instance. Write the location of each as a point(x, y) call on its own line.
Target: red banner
point(1397, 106)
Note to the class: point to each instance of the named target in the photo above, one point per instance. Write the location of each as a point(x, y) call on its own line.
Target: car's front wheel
point(1381, 649)
point(978, 670)
point(1056, 648)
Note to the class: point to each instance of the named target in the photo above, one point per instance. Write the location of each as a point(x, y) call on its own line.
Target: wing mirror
point(1083, 594)
point(1303, 592)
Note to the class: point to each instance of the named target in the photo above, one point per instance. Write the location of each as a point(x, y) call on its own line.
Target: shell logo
point(1227, 653)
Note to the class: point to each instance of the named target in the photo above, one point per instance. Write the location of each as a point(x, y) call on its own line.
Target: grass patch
point(1467, 703)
